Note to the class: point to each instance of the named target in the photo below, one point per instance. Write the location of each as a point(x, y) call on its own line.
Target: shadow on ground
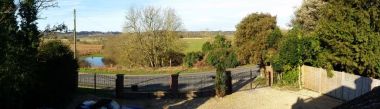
point(342, 93)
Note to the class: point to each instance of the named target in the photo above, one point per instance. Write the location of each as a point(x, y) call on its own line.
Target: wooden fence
point(343, 86)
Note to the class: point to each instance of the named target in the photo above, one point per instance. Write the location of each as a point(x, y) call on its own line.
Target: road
point(195, 81)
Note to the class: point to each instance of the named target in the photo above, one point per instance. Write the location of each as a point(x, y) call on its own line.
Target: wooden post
point(119, 85)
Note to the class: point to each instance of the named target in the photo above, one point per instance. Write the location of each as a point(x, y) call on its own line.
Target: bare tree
point(151, 34)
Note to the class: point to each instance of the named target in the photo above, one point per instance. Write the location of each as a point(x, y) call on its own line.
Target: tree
point(251, 37)
point(9, 81)
point(273, 44)
point(348, 32)
point(151, 33)
point(19, 65)
point(221, 56)
point(307, 15)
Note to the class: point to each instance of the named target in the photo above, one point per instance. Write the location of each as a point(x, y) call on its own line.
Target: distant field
point(194, 44)
point(87, 49)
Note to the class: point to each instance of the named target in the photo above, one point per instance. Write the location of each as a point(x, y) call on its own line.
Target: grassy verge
point(93, 55)
point(146, 71)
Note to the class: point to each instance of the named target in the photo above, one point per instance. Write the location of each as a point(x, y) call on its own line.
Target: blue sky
point(196, 15)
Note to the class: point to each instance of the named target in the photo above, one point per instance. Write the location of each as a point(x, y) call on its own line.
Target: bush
point(58, 76)
point(206, 47)
point(175, 58)
point(192, 57)
point(232, 61)
point(289, 77)
point(200, 64)
point(108, 61)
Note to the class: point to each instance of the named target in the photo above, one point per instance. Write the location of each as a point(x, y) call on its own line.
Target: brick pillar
point(173, 83)
point(228, 82)
point(119, 85)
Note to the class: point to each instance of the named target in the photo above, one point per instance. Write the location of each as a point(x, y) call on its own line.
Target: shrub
point(289, 77)
point(206, 47)
point(200, 64)
point(175, 58)
point(232, 60)
point(58, 76)
point(192, 57)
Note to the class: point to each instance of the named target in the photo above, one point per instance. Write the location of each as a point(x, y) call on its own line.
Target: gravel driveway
point(270, 98)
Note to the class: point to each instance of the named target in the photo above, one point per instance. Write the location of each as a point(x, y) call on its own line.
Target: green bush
point(206, 47)
point(58, 75)
point(175, 58)
point(289, 77)
point(192, 57)
point(232, 61)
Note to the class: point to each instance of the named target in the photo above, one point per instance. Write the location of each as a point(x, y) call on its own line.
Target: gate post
point(228, 82)
point(119, 85)
point(250, 78)
point(173, 83)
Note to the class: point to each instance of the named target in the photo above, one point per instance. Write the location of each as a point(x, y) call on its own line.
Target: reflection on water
point(95, 61)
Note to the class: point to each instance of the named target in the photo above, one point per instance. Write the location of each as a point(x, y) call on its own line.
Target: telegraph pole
point(75, 34)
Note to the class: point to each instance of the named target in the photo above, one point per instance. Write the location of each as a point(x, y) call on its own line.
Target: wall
point(343, 86)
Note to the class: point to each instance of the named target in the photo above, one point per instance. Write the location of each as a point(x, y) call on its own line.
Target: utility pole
point(75, 34)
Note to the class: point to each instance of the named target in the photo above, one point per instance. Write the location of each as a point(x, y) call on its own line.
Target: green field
point(194, 44)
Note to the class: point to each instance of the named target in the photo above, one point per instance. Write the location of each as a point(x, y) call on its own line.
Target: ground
point(270, 98)
point(259, 98)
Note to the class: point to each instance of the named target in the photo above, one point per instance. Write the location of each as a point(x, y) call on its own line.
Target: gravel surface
point(260, 98)
point(269, 98)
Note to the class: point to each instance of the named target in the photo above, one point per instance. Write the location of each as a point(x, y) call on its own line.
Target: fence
point(153, 83)
point(96, 81)
point(343, 86)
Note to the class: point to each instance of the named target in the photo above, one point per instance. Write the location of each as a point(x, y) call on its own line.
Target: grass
point(93, 55)
point(194, 44)
point(146, 71)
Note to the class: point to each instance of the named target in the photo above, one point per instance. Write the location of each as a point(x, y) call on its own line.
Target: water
point(95, 61)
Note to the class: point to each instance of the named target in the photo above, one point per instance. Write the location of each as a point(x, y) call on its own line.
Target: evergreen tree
point(349, 34)
point(11, 82)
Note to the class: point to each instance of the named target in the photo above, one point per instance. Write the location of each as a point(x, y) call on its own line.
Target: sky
point(196, 15)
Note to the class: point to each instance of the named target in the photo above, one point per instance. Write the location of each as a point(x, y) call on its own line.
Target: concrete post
point(119, 85)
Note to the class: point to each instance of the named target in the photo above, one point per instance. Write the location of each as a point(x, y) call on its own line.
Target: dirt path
point(269, 98)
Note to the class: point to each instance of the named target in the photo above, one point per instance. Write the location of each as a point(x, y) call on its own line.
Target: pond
point(95, 61)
